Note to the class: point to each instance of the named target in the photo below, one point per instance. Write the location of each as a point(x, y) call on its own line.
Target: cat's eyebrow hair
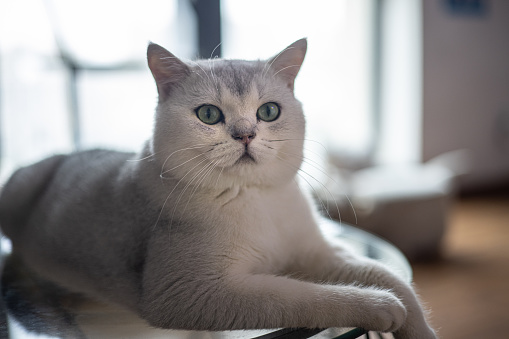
point(261, 89)
point(237, 77)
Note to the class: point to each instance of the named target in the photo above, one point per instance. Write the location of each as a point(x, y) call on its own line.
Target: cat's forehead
point(239, 77)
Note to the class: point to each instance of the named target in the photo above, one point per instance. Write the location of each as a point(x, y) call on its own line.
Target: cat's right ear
point(166, 69)
point(287, 63)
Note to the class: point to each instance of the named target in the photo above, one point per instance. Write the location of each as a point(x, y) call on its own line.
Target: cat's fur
point(206, 228)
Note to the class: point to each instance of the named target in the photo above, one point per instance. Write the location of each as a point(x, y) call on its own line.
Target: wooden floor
point(467, 289)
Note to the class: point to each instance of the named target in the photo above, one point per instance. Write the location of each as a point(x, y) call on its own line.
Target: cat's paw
point(411, 332)
point(386, 313)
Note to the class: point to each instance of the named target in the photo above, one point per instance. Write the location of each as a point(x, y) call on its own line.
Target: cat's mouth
point(245, 158)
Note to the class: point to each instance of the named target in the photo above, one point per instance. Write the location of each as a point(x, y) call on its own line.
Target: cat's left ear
point(287, 63)
point(166, 68)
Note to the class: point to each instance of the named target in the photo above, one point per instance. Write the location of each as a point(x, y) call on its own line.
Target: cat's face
point(228, 122)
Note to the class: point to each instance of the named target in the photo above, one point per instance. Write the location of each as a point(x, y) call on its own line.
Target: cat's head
point(228, 122)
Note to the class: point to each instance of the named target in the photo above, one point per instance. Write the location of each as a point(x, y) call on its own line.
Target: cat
point(206, 228)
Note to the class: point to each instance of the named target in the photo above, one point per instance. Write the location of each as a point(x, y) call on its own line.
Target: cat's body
point(206, 228)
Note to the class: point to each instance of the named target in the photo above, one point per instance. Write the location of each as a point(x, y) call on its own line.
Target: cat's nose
point(244, 137)
point(243, 130)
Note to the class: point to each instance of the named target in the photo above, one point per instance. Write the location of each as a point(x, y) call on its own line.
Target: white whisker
point(198, 74)
point(174, 188)
point(304, 139)
point(217, 180)
point(214, 78)
point(306, 160)
point(181, 164)
point(322, 170)
point(314, 190)
point(207, 172)
point(198, 65)
point(212, 54)
point(211, 66)
point(181, 150)
point(186, 187)
point(141, 159)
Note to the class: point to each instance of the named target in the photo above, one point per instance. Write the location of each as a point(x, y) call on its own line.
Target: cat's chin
point(245, 159)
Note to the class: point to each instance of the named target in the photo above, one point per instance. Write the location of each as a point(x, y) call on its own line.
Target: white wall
point(465, 94)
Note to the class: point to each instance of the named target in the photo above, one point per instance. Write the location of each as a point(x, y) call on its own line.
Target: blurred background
point(407, 103)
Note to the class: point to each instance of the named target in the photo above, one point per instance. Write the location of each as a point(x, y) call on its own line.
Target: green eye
point(209, 114)
point(268, 112)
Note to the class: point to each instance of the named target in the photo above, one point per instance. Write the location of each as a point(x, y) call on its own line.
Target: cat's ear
point(287, 63)
point(166, 68)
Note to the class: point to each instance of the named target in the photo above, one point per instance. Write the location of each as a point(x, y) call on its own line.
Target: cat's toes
point(388, 313)
point(408, 332)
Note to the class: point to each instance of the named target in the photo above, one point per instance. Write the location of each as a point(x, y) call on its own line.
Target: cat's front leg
point(200, 287)
point(338, 265)
point(257, 301)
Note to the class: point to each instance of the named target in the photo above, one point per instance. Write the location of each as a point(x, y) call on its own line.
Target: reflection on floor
point(468, 289)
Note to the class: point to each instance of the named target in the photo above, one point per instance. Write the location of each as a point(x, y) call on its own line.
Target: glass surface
point(29, 309)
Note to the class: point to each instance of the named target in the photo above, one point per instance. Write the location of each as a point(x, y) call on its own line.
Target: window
point(71, 74)
point(335, 83)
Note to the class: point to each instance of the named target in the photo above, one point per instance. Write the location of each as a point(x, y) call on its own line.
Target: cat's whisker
point(315, 153)
point(198, 74)
point(214, 78)
point(211, 170)
point(310, 162)
point(325, 207)
point(322, 170)
point(198, 65)
point(141, 159)
point(187, 186)
point(297, 139)
point(174, 188)
point(318, 195)
point(219, 175)
point(337, 184)
point(305, 159)
point(212, 54)
point(211, 64)
point(181, 150)
point(182, 164)
point(204, 176)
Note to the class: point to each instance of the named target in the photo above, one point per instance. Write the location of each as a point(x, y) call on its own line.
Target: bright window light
point(335, 83)
point(116, 105)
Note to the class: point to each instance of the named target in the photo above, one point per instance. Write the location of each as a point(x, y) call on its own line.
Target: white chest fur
point(267, 227)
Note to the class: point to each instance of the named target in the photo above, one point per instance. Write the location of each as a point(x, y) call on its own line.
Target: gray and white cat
point(206, 228)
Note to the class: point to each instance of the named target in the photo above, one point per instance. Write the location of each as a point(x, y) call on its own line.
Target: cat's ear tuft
point(287, 63)
point(166, 68)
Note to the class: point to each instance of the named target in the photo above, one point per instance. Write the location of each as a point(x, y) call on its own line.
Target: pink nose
point(244, 138)
point(243, 130)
